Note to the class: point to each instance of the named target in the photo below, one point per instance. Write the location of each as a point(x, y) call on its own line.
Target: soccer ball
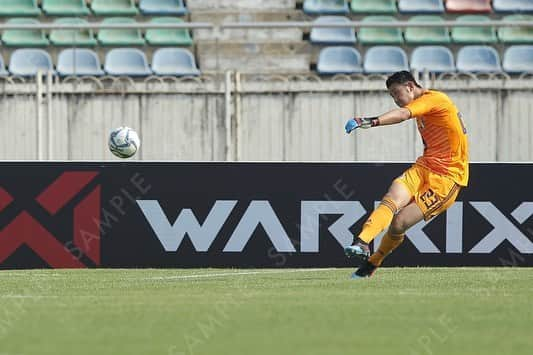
point(124, 142)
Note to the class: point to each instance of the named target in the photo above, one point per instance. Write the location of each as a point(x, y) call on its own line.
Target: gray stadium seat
point(126, 61)
point(518, 59)
point(27, 61)
point(162, 7)
point(478, 59)
point(80, 62)
point(339, 60)
point(326, 7)
point(421, 6)
point(322, 35)
point(174, 62)
point(385, 59)
point(512, 6)
point(435, 59)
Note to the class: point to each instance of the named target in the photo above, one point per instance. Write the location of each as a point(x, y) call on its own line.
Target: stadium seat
point(79, 61)
point(122, 37)
point(28, 61)
point(516, 34)
point(374, 35)
point(339, 60)
point(468, 6)
point(162, 7)
point(72, 37)
point(473, 35)
point(65, 8)
point(19, 8)
point(174, 62)
point(168, 37)
point(3, 71)
point(374, 7)
point(126, 61)
point(24, 38)
point(322, 35)
point(518, 59)
point(512, 6)
point(435, 59)
point(114, 7)
point(385, 59)
point(326, 7)
point(478, 59)
point(427, 35)
point(421, 6)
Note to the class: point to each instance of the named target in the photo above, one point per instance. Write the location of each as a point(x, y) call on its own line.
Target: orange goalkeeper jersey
point(443, 134)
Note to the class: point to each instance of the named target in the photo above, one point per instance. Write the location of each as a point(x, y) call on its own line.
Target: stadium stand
point(267, 50)
point(428, 35)
point(24, 38)
point(65, 8)
point(478, 59)
point(120, 37)
point(516, 34)
point(114, 7)
point(27, 62)
point(162, 7)
point(421, 6)
point(372, 35)
point(3, 71)
point(19, 8)
point(512, 6)
point(80, 37)
point(79, 61)
point(473, 35)
point(323, 35)
point(168, 37)
point(374, 7)
point(127, 61)
point(326, 7)
point(468, 6)
point(518, 59)
point(434, 59)
point(174, 62)
point(385, 60)
point(339, 60)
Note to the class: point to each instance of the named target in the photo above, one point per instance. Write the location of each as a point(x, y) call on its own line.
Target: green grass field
point(220, 311)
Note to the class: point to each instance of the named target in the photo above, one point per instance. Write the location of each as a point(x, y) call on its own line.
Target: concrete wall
point(274, 118)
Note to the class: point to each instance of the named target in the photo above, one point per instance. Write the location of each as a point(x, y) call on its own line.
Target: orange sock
point(378, 220)
point(388, 244)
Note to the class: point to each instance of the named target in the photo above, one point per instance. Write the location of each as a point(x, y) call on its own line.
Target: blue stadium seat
point(512, 6)
point(3, 71)
point(162, 7)
point(326, 7)
point(518, 59)
point(79, 61)
point(174, 62)
point(478, 59)
point(421, 6)
point(435, 59)
point(27, 61)
point(322, 35)
point(126, 61)
point(385, 59)
point(339, 60)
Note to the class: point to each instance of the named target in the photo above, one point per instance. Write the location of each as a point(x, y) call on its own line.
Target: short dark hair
point(400, 77)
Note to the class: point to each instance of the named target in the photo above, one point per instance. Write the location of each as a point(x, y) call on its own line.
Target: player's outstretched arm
point(392, 117)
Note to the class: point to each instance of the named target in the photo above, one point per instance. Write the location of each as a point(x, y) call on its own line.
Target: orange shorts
point(432, 192)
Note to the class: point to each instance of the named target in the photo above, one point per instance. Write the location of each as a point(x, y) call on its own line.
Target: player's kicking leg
point(405, 219)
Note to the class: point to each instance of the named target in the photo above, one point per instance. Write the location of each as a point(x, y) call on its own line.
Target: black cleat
point(367, 269)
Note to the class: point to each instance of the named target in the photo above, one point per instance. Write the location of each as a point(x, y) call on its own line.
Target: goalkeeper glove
point(361, 122)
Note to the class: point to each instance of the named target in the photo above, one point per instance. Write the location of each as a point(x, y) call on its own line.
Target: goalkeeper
point(429, 186)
